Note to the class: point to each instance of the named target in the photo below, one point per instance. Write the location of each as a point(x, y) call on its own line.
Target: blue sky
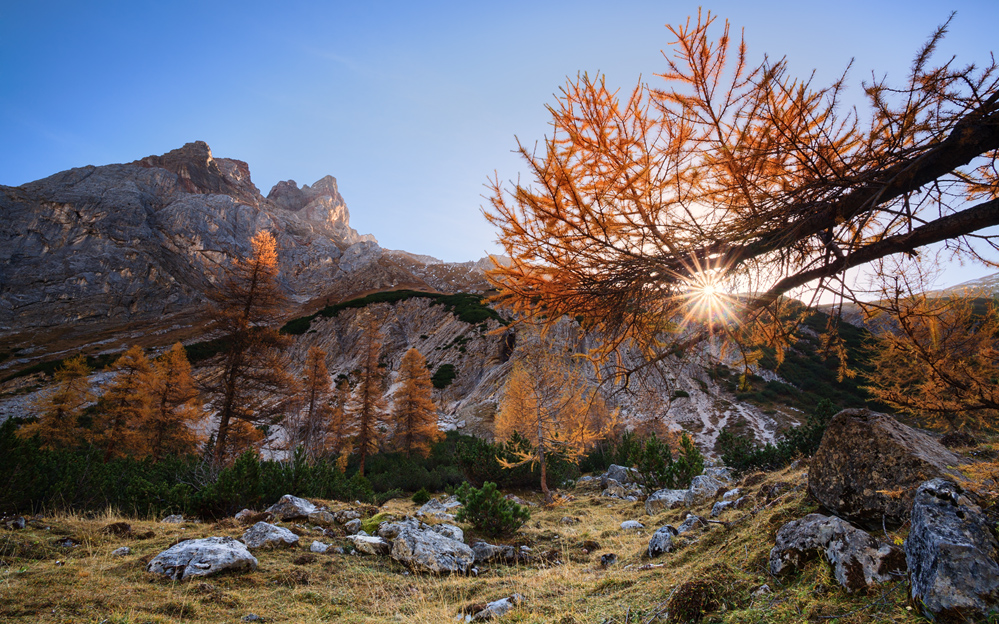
point(410, 105)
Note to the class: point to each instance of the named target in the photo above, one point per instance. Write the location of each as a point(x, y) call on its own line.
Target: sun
point(708, 300)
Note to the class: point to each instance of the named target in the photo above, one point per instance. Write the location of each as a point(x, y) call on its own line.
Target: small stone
point(498, 608)
point(319, 547)
point(173, 519)
point(121, 552)
point(353, 527)
point(608, 560)
point(631, 525)
point(252, 617)
point(569, 520)
point(692, 522)
point(16, 524)
point(370, 545)
point(322, 518)
point(762, 590)
point(666, 499)
point(119, 529)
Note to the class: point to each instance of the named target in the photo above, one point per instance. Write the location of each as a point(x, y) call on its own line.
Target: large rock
point(952, 554)
point(391, 530)
point(434, 508)
point(292, 508)
point(202, 557)
point(869, 465)
point(662, 541)
point(666, 499)
point(429, 551)
point(265, 535)
point(858, 560)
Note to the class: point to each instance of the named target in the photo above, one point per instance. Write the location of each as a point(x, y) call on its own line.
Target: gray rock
point(498, 608)
point(319, 547)
point(15, 524)
point(614, 490)
point(858, 560)
point(520, 501)
point(370, 544)
point(662, 541)
point(704, 488)
point(252, 617)
point(346, 515)
point(244, 515)
point(265, 535)
point(719, 507)
point(202, 557)
point(434, 508)
point(569, 520)
point(732, 494)
point(429, 551)
point(292, 508)
point(721, 473)
point(488, 553)
point(174, 519)
point(322, 518)
point(124, 551)
point(691, 522)
point(622, 474)
point(608, 560)
point(666, 499)
point(953, 556)
point(449, 530)
point(352, 527)
point(865, 454)
point(631, 525)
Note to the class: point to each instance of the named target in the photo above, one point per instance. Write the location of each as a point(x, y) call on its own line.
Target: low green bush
point(488, 511)
point(659, 469)
point(421, 497)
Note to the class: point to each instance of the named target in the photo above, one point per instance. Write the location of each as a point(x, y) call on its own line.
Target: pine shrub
point(488, 511)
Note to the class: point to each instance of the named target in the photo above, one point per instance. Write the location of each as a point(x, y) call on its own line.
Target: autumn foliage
point(251, 383)
point(414, 413)
point(58, 411)
point(365, 409)
point(548, 401)
point(736, 177)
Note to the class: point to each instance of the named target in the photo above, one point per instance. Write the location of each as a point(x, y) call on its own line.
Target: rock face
point(100, 246)
point(858, 560)
point(202, 557)
point(292, 508)
point(264, 535)
point(863, 456)
point(429, 551)
point(953, 556)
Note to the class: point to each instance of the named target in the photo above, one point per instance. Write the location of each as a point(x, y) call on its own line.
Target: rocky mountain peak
point(198, 172)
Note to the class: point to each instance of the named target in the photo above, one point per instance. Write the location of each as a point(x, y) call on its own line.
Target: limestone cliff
point(96, 249)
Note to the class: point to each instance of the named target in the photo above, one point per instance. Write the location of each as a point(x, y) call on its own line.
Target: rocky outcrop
point(96, 247)
point(292, 508)
point(264, 535)
point(952, 554)
point(202, 557)
point(858, 560)
point(869, 465)
point(428, 551)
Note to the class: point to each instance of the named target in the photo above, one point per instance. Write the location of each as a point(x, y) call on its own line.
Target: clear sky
point(410, 105)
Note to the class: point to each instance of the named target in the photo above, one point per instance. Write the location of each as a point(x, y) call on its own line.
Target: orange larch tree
point(176, 411)
point(365, 409)
point(125, 407)
point(310, 428)
point(640, 212)
point(58, 411)
point(251, 382)
point(414, 413)
point(549, 401)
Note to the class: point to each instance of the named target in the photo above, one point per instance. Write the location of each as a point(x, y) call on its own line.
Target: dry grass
point(718, 569)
